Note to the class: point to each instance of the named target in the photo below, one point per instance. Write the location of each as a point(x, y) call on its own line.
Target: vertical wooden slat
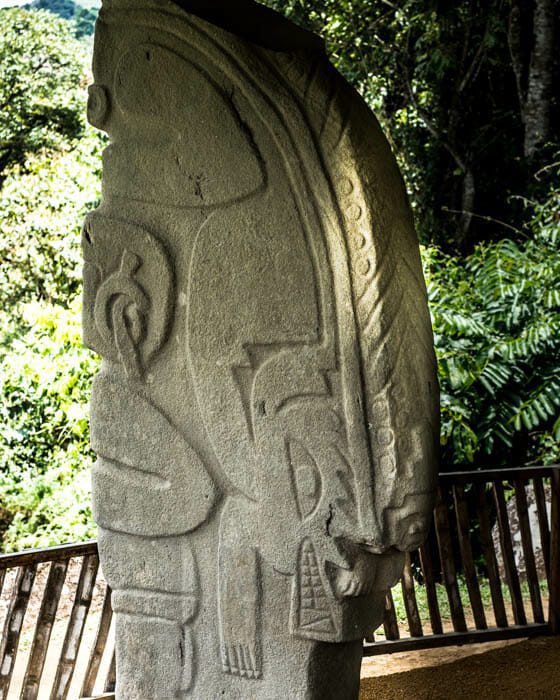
point(390, 623)
point(554, 599)
point(528, 552)
point(409, 597)
point(445, 544)
point(13, 624)
point(74, 631)
point(469, 569)
point(427, 564)
point(512, 577)
point(99, 645)
point(544, 530)
point(111, 680)
point(490, 557)
point(45, 622)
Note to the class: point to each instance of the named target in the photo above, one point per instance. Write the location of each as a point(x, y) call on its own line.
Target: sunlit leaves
point(45, 378)
point(41, 209)
point(49, 178)
point(497, 328)
point(42, 81)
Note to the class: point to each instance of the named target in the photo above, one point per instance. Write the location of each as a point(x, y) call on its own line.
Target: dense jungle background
point(468, 94)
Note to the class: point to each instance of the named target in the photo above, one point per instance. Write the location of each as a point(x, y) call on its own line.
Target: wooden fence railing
point(57, 639)
point(60, 582)
point(471, 528)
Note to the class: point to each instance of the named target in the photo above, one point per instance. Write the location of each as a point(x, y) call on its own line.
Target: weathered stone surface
point(266, 416)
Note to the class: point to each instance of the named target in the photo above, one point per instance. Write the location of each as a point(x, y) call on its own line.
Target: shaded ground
point(397, 662)
point(527, 670)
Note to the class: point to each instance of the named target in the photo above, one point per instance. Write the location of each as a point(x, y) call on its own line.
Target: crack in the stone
point(329, 520)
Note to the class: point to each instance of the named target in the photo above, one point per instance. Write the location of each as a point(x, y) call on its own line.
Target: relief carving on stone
point(127, 275)
point(148, 482)
point(266, 415)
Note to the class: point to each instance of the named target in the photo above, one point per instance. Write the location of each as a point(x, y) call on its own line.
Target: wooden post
point(99, 645)
point(390, 622)
point(469, 569)
point(512, 576)
point(427, 565)
point(409, 598)
point(43, 629)
point(13, 625)
point(75, 628)
point(544, 527)
point(527, 544)
point(446, 555)
point(111, 680)
point(554, 598)
point(490, 557)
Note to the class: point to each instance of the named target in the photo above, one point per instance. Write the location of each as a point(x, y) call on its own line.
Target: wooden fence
point(63, 586)
point(45, 662)
point(473, 510)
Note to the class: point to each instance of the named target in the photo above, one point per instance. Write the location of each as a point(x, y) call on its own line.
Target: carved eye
point(307, 479)
point(98, 106)
point(126, 277)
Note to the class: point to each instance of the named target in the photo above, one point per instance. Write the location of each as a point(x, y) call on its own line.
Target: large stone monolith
point(266, 416)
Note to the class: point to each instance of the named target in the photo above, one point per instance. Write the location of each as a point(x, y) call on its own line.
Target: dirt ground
point(526, 670)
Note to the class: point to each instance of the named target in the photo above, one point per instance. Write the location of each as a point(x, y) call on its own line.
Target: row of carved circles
point(363, 264)
point(360, 235)
point(383, 433)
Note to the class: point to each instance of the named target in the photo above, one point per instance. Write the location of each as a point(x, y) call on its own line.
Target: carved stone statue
point(266, 417)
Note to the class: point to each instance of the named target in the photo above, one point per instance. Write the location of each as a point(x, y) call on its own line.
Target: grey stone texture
point(266, 416)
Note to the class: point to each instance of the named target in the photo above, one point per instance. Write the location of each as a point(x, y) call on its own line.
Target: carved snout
point(369, 572)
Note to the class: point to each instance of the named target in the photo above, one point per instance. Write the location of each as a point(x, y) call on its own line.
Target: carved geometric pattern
point(240, 660)
point(314, 610)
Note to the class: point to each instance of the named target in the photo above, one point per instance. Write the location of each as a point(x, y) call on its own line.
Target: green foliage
point(82, 14)
point(440, 78)
point(50, 178)
point(496, 318)
point(45, 372)
point(85, 18)
point(40, 209)
point(41, 79)
point(44, 386)
point(63, 8)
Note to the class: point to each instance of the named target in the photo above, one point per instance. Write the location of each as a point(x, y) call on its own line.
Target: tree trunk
point(540, 78)
point(515, 43)
point(467, 207)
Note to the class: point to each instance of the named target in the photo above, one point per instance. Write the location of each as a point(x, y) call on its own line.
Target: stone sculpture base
point(292, 668)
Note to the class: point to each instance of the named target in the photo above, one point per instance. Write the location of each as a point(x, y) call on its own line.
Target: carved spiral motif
point(120, 312)
point(128, 292)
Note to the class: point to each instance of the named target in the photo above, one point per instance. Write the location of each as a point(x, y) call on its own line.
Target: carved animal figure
point(266, 418)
